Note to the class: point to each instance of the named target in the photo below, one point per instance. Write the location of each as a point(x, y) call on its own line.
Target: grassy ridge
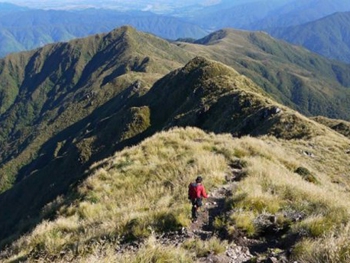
point(341, 126)
point(204, 94)
point(141, 192)
point(294, 76)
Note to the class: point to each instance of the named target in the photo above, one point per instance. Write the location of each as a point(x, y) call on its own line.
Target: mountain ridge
point(292, 74)
point(205, 88)
point(89, 144)
point(61, 87)
point(329, 43)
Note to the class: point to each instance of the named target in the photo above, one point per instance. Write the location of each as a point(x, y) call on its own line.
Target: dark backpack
point(192, 191)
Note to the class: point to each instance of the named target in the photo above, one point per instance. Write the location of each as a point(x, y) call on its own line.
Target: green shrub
point(306, 175)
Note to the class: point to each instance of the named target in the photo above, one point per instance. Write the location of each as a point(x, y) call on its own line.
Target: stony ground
point(241, 248)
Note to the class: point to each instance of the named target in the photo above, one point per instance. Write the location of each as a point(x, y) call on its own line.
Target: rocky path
point(203, 228)
point(240, 248)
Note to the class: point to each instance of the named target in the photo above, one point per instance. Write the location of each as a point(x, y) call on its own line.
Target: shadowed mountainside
point(49, 89)
point(205, 94)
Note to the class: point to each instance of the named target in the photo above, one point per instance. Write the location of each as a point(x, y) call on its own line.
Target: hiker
point(196, 192)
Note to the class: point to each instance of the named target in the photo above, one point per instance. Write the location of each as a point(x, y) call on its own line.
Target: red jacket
point(196, 190)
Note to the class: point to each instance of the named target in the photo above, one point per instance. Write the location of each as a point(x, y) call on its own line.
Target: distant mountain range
point(298, 22)
point(26, 29)
point(328, 36)
point(6, 8)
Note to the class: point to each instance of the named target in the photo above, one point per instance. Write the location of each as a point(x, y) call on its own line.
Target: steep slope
point(133, 207)
point(204, 93)
point(294, 76)
point(45, 91)
point(328, 36)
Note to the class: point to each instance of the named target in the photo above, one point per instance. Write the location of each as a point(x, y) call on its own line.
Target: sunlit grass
point(142, 192)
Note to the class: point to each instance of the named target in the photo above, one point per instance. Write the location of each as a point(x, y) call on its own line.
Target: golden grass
point(142, 191)
point(203, 248)
point(330, 248)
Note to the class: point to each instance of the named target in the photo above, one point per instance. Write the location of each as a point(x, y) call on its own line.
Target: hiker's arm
point(204, 194)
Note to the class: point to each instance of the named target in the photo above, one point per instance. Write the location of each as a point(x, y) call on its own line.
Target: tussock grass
point(330, 248)
point(142, 191)
point(204, 248)
point(150, 251)
point(137, 192)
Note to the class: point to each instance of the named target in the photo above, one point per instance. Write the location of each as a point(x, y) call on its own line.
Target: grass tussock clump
point(152, 251)
point(330, 248)
point(203, 248)
point(306, 174)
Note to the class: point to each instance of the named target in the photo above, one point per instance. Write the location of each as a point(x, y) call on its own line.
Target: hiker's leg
point(194, 212)
point(199, 203)
point(194, 209)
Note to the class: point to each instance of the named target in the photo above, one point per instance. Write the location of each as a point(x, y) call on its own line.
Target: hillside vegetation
point(47, 90)
point(204, 94)
point(140, 193)
point(102, 135)
point(341, 126)
point(294, 76)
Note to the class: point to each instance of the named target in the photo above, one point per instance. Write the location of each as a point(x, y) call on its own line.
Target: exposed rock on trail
point(241, 248)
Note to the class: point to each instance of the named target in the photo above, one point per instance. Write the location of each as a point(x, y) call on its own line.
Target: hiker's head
point(199, 179)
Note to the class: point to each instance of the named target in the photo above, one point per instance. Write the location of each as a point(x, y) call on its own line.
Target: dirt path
point(203, 228)
point(267, 248)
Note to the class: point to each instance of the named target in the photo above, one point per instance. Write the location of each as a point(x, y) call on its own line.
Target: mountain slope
point(262, 14)
point(294, 76)
point(7, 8)
point(134, 205)
point(234, 15)
point(45, 91)
point(205, 94)
point(341, 126)
point(328, 36)
point(40, 98)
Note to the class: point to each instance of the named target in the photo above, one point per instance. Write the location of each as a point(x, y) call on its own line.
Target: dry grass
point(142, 191)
